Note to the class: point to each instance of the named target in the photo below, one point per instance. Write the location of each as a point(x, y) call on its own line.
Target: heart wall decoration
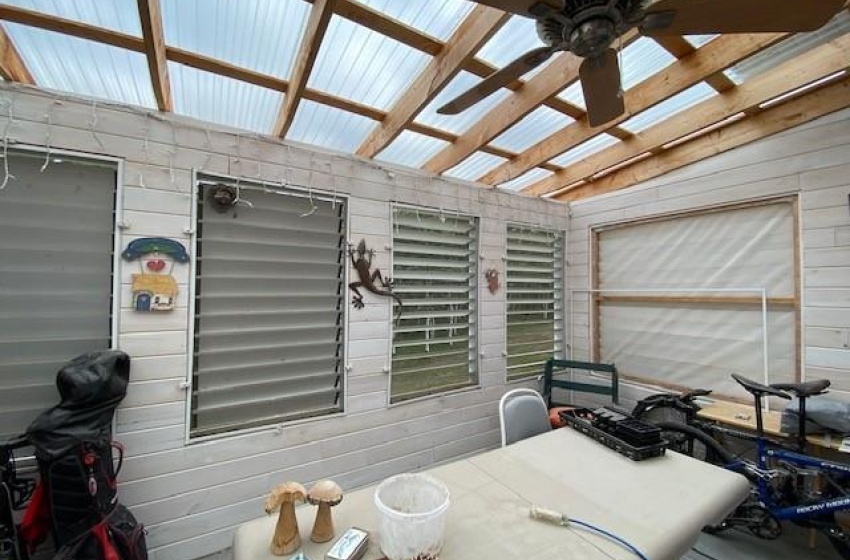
point(154, 289)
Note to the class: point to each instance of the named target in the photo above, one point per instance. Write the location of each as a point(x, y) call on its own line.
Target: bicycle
point(15, 492)
point(788, 484)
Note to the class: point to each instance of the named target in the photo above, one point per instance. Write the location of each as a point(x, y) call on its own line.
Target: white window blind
point(535, 299)
point(435, 273)
point(56, 266)
point(269, 314)
point(670, 308)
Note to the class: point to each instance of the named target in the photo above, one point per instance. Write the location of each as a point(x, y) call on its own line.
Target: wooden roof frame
point(629, 161)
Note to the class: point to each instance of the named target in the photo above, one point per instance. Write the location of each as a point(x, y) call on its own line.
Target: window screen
point(435, 273)
point(269, 315)
point(674, 304)
point(535, 302)
point(56, 259)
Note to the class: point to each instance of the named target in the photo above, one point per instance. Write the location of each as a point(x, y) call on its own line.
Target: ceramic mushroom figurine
point(286, 538)
point(325, 494)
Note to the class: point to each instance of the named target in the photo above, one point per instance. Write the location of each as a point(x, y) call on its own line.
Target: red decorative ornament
point(156, 265)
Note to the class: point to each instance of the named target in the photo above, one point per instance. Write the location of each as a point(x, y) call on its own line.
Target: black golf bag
point(77, 495)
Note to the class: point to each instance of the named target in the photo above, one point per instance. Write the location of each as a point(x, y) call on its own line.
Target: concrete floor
point(736, 544)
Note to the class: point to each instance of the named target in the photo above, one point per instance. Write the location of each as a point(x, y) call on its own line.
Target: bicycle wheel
point(694, 442)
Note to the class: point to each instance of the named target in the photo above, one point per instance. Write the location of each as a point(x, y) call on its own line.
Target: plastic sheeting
point(707, 255)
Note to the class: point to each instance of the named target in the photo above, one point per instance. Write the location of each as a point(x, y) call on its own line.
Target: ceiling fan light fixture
point(593, 37)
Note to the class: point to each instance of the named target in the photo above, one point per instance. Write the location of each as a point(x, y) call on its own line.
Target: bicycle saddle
point(807, 389)
point(757, 389)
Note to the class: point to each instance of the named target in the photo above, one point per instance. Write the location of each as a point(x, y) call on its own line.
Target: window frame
point(475, 300)
point(561, 352)
point(287, 189)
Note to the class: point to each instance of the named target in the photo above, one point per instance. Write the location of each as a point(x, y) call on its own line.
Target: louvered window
point(535, 302)
point(435, 274)
point(269, 314)
point(56, 263)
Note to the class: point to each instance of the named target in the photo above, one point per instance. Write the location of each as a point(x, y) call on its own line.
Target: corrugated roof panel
point(786, 50)
point(574, 95)
point(515, 38)
point(536, 126)
point(585, 149)
point(118, 15)
point(329, 127)
point(359, 64)
point(438, 18)
point(669, 107)
point(213, 98)
point(69, 64)
point(698, 41)
point(457, 124)
point(411, 149)
point(642, 59)
point(527, 178)
point(265, 39)
point(475, 166)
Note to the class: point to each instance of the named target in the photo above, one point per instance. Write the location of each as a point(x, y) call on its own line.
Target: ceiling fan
point(589, 28)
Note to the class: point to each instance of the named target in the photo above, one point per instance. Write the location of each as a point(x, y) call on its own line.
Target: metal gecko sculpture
point(361, 260)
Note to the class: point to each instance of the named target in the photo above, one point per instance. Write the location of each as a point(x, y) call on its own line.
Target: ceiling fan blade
point(692, 17)
point(600, 82)
point(500, 78)
point(522, 7)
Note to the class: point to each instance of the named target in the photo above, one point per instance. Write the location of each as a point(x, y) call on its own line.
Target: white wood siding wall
point(191, 496)
point(812, 161)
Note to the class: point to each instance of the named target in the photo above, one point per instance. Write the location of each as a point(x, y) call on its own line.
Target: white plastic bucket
point(412, 509)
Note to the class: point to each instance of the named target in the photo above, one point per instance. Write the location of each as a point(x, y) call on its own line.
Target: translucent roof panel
point(698, 41)
point(118, 15)
point(457, 124)
point(537, 125)
point(642, 59)
point(411, 149)
point(329, 127)
point(65, 63)
point(527, 178)
point(515, 38)
point(574, 95)
point(357, 63)
point(669, 107)
point(247, 33)
point(585, 149)
point(214, 98)
point(786, 50)
point(437, 18)
point(475, 166)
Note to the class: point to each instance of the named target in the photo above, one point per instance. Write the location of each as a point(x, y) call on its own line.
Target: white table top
point(659, 505)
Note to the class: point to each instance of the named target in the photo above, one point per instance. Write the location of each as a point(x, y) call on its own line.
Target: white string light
point(93, 125)
point(49, 118)
point(7, 176)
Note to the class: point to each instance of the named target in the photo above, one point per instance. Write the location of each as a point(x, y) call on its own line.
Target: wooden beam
point(775, 119)
point(682, 74)
point(680, 48)
point(804, 69)
point(12, 66)
point(698, 300)
point(150, 16)
point(481, 24)
point(380, 23)
point(314, 33)
point(70, 27)
point(559, 74)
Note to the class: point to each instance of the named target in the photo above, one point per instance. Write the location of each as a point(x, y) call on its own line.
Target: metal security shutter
point(535, 306)
point(56, 247)
point(435, 273)
point(269, 313)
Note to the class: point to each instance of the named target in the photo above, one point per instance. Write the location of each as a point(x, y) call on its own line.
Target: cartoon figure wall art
point(154, 289)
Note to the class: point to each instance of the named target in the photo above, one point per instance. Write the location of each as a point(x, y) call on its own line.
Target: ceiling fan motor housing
point(587, 28)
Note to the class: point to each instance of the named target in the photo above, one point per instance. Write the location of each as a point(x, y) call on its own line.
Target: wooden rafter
point(777, 118)
point(682, 74)
point(559, 74)
point(150, 16)
point(481, 24)
point(804, 69)
point(12, 66)
point(680, 48)
point(317, 24)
